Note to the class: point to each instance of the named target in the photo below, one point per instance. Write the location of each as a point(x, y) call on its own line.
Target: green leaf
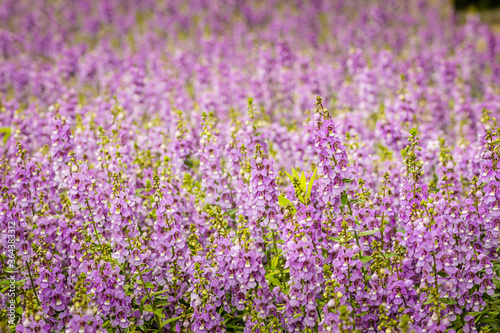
point(271, 274)
point(274, 281)
point(303, 181)
point(343, 198)
point(17, 283)
point(168, 321)
point(442, 274)
point(144, 271)
point(295, 173)
point(141, 306)
point(106, 324)
point(20, 310)
point(159, 313)
point(231, 212)
point(148, 308)
point(284, 202)
point(274, 262)
point(159, 292)
point(357, 201)
point(298, 315)
point(338, 238)
point(473, 314)
point(239, 328)
point(7, 132)
point(366, 259)
point(368, 232)
point(162, 301)
point(448, 301)
point(289, 177)
point(162, 297)
point(149, 285)
point(347, 180)
point(311, 182)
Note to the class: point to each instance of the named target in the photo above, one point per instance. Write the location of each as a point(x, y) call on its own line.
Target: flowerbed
point(168, 167)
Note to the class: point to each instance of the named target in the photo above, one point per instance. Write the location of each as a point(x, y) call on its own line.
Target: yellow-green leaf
point(303, 181)
point(168, 321)
point(311, 182)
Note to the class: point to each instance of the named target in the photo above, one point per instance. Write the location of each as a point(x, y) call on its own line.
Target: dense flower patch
point(168, 166)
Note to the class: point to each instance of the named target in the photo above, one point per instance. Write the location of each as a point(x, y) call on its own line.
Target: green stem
point(32, 284)
point(267, 252)
point(274, 242)
point(93, 223)
point(382, 229)
point(434, 269)
point(281, 275)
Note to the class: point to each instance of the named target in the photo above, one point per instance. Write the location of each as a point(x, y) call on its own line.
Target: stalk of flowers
point(168, 256)
point(19, 206)
point(264, 194)
point(61, 144)
point(447, 181)
point(387, 291)
point(105, 282)
point(219, 254)
point(332, 159)
point(353, 243)
point(117, 152)
point(474, 252)
point(347, 265)
point(128, 250)
point(248, 282)
point(305, 265)
point(182, 143)
point(34, 312)
point(87, 200)
point(206, 289)
point(210, 169)
point(489, 202)
point(239, 166)
point(434, 246)
point(45, 291)
point(470, 280)
point(412, 194)
point(435, 260)
point(238, 172)
point(47, 270)
point(384, 211)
